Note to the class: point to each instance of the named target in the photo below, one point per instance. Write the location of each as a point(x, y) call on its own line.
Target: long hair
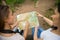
point(58, 6)
point(4, 12)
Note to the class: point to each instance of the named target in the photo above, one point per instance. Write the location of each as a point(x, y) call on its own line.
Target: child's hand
point(38, 14)
point(16, 24)
point(27, 23)
point(36, 28)
point(20, 20)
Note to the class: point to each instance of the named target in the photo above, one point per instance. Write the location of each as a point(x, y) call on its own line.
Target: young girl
point(6, 20)
point(54, 32)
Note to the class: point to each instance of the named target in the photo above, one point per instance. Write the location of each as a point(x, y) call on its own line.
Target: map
point(31, 17)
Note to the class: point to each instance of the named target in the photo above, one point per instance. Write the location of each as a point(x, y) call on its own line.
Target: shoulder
point(20, 36)
point(45, 33)
point(16, 36)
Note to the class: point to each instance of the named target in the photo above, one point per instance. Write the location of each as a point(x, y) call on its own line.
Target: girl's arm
point(35, 33)
point(15, 24)
point(50, 22)
point(26, 30)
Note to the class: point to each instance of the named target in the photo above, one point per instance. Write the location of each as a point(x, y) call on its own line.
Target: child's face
point(55, 17)
point(10, 19)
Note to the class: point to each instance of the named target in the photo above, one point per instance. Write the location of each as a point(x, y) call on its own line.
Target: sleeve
point(42, 34)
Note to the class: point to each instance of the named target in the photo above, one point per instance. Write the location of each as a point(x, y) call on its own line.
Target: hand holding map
point(31, 17)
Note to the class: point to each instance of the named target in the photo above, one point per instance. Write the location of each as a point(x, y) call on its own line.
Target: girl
point(54, 32)
point(6, 20)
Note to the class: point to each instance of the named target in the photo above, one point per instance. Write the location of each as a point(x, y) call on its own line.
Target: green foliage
point(14, 3)
point(20, 1)
point(10, 2)
point(0, 1)
point(49, 13)
point(35, 1)
point(57, 1)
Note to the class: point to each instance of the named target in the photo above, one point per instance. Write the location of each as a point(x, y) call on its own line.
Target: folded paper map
point(31, 17)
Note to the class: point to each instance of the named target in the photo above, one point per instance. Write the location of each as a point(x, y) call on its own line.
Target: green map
point(31, 17)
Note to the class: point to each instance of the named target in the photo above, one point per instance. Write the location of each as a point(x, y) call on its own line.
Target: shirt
point(17, 36)
point(48, 35)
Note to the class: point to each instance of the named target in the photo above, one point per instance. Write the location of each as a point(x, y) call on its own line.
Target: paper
point(31, 17)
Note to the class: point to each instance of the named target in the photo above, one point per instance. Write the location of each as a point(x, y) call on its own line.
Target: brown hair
point(4, 13)
point(58, 7)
